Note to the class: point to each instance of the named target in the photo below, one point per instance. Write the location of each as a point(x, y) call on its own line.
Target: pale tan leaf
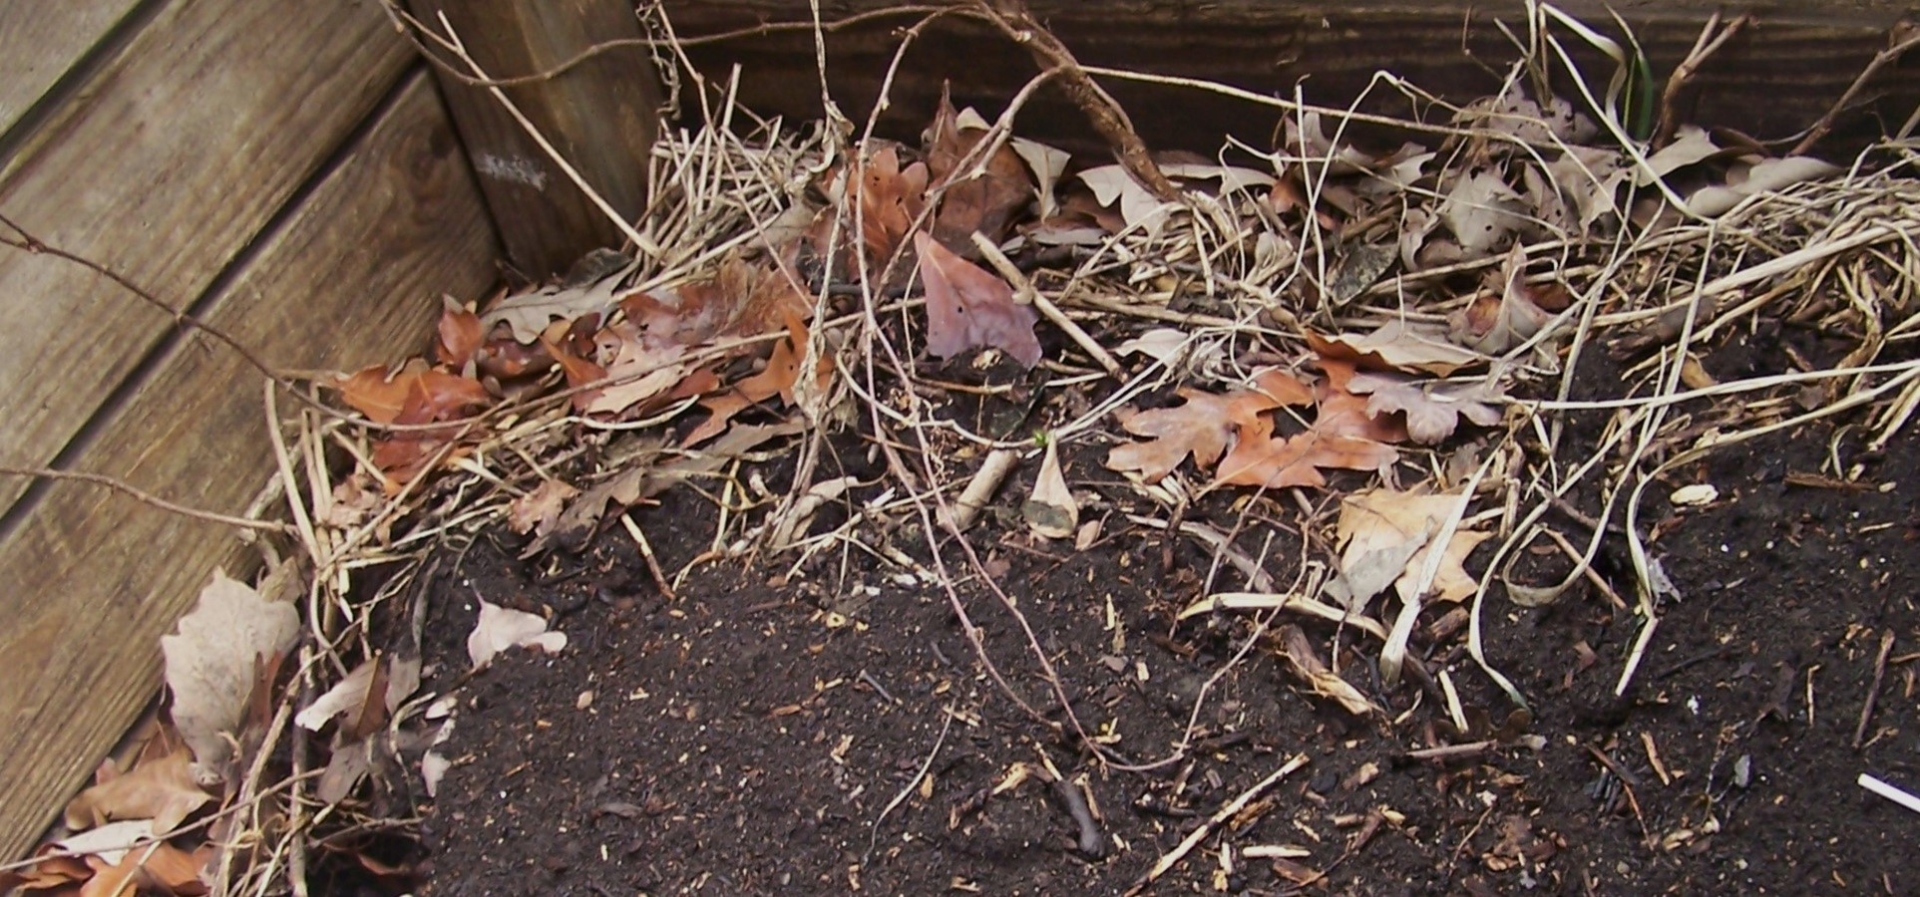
point(1051, 510)
point(529, 313)
point(210, 665)
point(500, 628)
point(1482, 212)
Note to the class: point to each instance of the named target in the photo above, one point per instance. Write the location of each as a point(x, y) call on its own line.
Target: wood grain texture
point(163, 167)
point(601, 116)
point(94, 579)
point(41, 41)
point(1772, 81)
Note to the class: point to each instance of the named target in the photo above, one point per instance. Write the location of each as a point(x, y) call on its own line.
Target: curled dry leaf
point(1306, 664)
point(163, 790)
point(1396, 346)
point(1765, 176)
point(1491, 324)
point(459, 335)
point(211, 663)
point(500, 628)
point(969, 307)
point(431, 393)
point(1047, 165)
point(1051, 511)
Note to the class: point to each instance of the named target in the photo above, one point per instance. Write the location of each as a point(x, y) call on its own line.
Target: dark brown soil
point(748, 737)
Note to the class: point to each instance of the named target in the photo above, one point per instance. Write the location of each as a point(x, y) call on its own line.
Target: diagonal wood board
point(163, 167)
point(93, 578)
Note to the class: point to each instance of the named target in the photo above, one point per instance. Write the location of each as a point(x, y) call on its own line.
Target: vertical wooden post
point(600, 114)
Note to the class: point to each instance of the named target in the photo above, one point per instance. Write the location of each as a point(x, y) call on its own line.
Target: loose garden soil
point(759, 733)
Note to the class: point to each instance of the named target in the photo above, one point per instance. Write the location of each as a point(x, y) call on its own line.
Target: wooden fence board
point(600, 116)
point(41, 41)
point(94, 578)
point(1773, 80)
point(165, 166)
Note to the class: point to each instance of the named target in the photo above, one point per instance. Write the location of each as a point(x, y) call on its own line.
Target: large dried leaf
point(983, 197)
point(778, 378)
point(211, 663)
point(163, 790)
point(500, 628)
point(969, 307)
point(1377, 529)
point(1258, 459)
point(154, 869)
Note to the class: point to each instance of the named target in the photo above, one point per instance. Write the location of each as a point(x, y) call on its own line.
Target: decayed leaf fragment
point(211, 663)
point(970, 307)
point(538, 509)
point(500, 628)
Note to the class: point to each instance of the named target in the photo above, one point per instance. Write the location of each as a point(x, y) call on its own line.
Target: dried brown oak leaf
point(969, 307)
point(163, 790)
point(1259, 459)
point(1202, 427)
point(985, 195)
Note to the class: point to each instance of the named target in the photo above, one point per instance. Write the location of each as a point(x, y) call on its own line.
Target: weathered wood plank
point(600, 115)
point(167, 163)
point(1772, 81)
point(93, 579)
point(40, 42)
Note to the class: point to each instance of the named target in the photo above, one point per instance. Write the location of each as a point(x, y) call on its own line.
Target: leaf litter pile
point(1218, 494)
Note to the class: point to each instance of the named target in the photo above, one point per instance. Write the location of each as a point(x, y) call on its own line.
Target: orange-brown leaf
point(1258, 459)
point(1202, 427)
point(459, 336)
